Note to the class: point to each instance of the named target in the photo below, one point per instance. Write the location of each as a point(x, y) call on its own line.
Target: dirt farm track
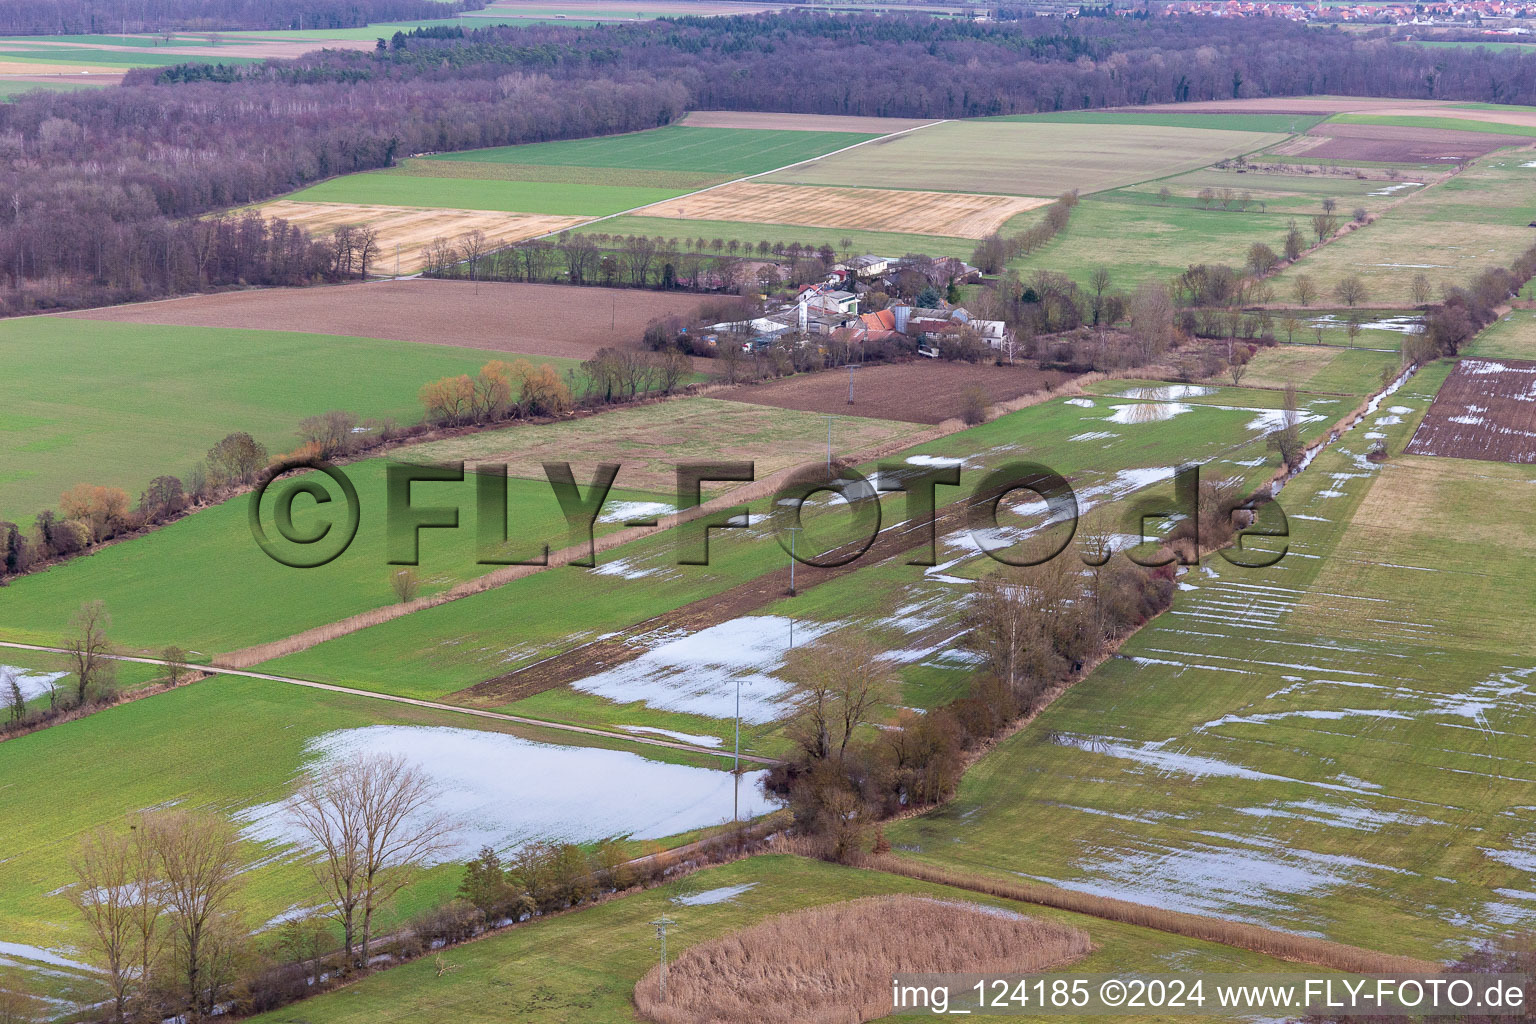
point(533, 319)
point(922, 391)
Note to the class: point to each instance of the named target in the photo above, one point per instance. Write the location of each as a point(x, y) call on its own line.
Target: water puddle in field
point(682, 737)
point(1167, 392)
point(1147, 412)
point(505, 791)
point(21, 951)
point(697, 673)
point(710, 897)
point(1396, 324)
point(31, 682)
point(1081, 403)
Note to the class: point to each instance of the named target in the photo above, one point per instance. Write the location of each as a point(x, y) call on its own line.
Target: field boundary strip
point(414, 702)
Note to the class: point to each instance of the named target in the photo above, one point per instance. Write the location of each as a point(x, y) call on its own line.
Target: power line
point(661, 924)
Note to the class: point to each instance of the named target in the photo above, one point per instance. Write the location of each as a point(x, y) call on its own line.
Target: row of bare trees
point(161, 898)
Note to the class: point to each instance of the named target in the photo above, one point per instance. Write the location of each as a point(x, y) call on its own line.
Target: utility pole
point(736, 760)
point(397, 261)
point(661, 924)
point(793, 530)
point(828, 417)
point(851, 367)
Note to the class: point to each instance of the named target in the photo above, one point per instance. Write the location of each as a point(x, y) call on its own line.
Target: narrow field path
point(432, 705)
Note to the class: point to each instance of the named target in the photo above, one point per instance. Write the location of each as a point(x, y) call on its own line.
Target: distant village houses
point(831, 309)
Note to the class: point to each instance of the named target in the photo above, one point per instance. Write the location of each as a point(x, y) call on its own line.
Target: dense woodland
point(75, 230)
point(70, 17)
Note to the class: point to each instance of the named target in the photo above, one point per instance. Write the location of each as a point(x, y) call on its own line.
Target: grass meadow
point(1140, 241)
point(1323, 745)
point(92, 404)
point(584, 965)
point(1512, 336)
point(425, 167)
point(728, 151)
point(240, 743)
point(1289, 124)
point(440, 650)
point(203, 583)
point(558, 198)
point(1447, 232)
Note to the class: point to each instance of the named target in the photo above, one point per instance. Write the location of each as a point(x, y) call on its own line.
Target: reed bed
point(833, 964)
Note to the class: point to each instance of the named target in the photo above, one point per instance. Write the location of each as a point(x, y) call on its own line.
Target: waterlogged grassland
point(1447, 233)
point(731, 151)
point(204, 584)
point(749, 233)
point(585, 965)
point(1513, 336)
point(562, 199)
point(239, 745)
point(1323, 745)
point(92, 403)
point(1108, 448)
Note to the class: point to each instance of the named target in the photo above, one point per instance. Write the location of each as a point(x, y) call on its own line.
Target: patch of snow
point(682, 737)
point(625, 511)
point(696, 674)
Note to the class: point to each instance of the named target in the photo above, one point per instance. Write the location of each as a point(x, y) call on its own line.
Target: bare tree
point(199, 864)
point(10, 691)
point(90, 648)
point(842, 680)
point(472, 249)
point(1236, 369)
point(1304, 289)
point(1152, 319)
point(118, 896)
point(406, 584)
point(365, 246)
point(1421, 289)
point(1350, 290)
point(370, 822)
point(1324, 225)
point(18, 1006)
point(176, 671)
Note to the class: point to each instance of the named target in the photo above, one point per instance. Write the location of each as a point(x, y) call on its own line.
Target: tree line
point(91, 17)
point(88, 231)
point(1032, 630)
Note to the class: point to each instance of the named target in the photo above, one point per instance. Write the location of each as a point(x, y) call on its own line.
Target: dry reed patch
point(800, 122)
point(833, 965)
point(956, 214)
point(411, 228)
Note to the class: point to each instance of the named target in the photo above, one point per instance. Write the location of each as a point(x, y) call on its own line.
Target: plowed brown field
point(534, 319)
point(1484, 410)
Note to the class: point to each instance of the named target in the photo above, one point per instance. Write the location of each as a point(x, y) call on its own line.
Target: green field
point(1299, 195)
point(110, 58)
point(584, 965)
point(1512, 336)
point(1142, 241)
point(92, 403)
point(1496, 47)
point(556, 198)
point(1457, 124)
point(444, 649)
point(1026, 158)
point(239, 743)
point(680, 181)
point(1320, 745)
point(733, 151)
point(1289, 124)
point(751, 233)
point(204, 584)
